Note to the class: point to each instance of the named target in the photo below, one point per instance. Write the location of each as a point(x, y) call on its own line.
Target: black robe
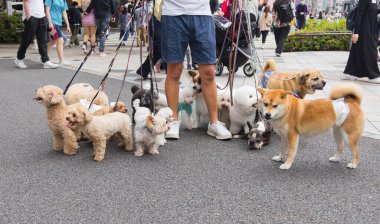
point(362, 61)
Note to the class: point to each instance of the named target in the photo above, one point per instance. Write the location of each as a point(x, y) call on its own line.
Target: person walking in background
point(140, 15)
point(301, 12)
point(34, 19)
point(362, 61)
point(282, 17)
point(89, 27)
point(124, 17)
point(75, 20)
point(320, 16)
point(55, 10)
point(103, 10)
point(265, 22)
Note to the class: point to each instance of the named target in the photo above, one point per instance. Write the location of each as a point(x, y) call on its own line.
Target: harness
point(267, 75)
point(186, 107)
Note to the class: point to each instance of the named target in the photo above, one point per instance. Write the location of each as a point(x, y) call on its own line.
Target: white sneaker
point(219, 131)
point(102, 54)
point(84, 48)
point(375, 80)
point(64, 62)
point(20, 63)
point(50, 64)
point(173, 132)
point(348, 77)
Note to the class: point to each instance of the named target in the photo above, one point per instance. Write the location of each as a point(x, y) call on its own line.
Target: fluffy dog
point(119, 107)
point(145, 99)
point(147, 129)
point(224, 107)
point(52, 98)
point(185, 103)
point(167, 113)
point(200, 106)
point(292, 117)
point(243, 109)
point(101, 128)
point(85, 91)
point(161, 102)
point(302, 83)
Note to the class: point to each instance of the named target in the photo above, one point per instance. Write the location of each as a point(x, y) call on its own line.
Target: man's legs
point(172, 86)
point(138, 34)
point(284, 31)
point(101, 24)
point(27, 36)
point(207, 73)
point(42, 39)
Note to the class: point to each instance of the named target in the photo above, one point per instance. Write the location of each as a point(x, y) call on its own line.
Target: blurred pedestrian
point(75, 20)
point(55, 10)
point(140, 15)
point(35, 24)
point(265, 23)
point(283, 15)
point(124, 17)
point(89, 27)
point(301, 12)
point(362, 61)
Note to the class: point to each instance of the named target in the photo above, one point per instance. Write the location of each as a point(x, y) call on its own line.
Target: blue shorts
point(177, 32)
point(58, 30)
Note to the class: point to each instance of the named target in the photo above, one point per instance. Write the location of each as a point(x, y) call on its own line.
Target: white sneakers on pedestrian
point(348, 77)
point(173, 132)
point(20, 63)
point(51, 65)
point(219, 131)
point(64, 62)
point(102, 54)
point(375, 80)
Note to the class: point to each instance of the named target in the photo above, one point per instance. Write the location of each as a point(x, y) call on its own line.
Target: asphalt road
point(196, 179)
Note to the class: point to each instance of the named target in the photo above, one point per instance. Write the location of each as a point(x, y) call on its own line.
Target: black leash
point(85, 59)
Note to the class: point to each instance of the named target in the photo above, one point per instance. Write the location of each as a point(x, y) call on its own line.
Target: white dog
point(167, 113)
point(243, 109)
point(185, 103)
point(224, 106)
point(147, 129)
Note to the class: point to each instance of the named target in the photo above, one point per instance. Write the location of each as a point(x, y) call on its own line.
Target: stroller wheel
point(248, 70)
point(218, 69)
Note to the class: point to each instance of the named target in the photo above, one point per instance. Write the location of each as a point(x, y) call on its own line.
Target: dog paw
point(334, 159)
point(139, 154)
point(129, 149)
point(285, 166)
point(57, 149)
point(154, 152)
point(277, 158)
point(98, 158)
point(69, 153)
point(352, 165)
point(195, 126)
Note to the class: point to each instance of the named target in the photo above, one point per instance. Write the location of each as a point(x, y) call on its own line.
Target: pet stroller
point(222, 28)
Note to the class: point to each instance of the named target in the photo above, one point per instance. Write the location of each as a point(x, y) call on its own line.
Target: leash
point(85, 59)
point(112, 61)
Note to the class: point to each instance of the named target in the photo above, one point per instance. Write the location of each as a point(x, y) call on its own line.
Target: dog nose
point(268, 115)
point(324, 82)
point(194, 87)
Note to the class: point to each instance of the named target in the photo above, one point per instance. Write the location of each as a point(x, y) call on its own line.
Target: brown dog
point(120, 107)
point(302, 83)
point(63, 138)
point(292, 117)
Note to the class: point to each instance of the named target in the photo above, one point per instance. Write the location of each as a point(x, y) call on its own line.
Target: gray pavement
point(196, 179)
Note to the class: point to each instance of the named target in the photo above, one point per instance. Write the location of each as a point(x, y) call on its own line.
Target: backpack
point(350, 22)
point(285, 13)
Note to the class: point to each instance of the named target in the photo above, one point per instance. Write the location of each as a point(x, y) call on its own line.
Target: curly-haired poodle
point(85, 91)
point(101, 128)
point(63, 137)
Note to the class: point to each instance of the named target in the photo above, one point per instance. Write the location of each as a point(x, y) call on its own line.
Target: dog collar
point(295, 93)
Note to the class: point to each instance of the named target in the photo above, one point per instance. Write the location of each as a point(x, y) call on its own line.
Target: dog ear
point(284, 94)
point(261, 91)
point(249, 125)
point(150, 122)
point(55, 97)
point(193, 74)
point(304, 77)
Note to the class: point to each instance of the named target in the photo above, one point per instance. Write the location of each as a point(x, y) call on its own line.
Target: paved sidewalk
point(331, 64)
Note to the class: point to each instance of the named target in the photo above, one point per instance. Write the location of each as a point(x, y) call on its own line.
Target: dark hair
point(75, 4)
point(278, 3)
point(266, 11)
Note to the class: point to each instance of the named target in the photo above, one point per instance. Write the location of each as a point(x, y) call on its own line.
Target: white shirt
point(37, 9)
point(186, 7)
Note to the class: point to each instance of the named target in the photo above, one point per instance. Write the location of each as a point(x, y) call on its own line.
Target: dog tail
point(270, 65)
point(134, 89)
point(349, 91)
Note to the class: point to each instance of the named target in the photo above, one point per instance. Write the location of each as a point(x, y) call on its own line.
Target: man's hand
point(113, 19)
point(27, 17)
point(51, 26)
point(302, 13)
point(85, 13)
point(355, 38)
point(68, 29)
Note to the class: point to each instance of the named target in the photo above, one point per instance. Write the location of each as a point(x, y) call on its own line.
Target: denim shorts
point(177, 32)
point(58, 30)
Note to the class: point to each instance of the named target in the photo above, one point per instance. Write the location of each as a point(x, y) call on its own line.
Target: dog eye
point(316, 79)
point(222, 99)
point(266, 104)
point(274, 106)
point(74, 115)
point(250, 96)
point(228, 100)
